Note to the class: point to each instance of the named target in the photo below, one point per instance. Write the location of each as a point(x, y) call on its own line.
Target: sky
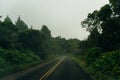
point(63, 17)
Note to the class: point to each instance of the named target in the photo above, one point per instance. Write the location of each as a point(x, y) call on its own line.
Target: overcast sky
point(62, 17)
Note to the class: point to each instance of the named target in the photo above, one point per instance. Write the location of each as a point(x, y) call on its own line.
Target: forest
point(100, 52)
point(22, 46)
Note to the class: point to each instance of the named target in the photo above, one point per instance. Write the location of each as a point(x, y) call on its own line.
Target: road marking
point(48, 73)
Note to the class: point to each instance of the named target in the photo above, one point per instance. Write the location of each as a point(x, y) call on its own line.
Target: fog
point(63, 17)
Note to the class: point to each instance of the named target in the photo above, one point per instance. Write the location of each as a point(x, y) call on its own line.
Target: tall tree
point(115, 5)
point(7, 31)
point(30, 39)
point(7, 19)
point(46, 32)
point(106, 22)
point(21, 26)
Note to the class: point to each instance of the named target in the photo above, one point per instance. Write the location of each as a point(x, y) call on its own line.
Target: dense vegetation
point(14, 60)
point(100, 52)
point(22, 47)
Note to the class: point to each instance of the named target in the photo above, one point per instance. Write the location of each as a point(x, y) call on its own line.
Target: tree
point(105, 13)
point(30, 39)
point(45, 32)
point(0, 17)
point(93, 38)
point(95, 19)
point(72, 46)
point(115, 5)
point(110, 37)
point(104, 26)
point(7, 19)
point(21, 26)
point(7, 32)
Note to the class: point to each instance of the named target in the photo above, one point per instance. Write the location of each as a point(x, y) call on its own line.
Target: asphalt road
point(65, 69)
point(69, 70)
point(38, 73)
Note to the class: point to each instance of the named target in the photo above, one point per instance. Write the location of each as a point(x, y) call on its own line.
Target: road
point(62, 69)
point(65, 69)
point(69, 70)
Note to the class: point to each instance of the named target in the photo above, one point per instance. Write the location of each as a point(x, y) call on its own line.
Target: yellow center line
point(48, 73)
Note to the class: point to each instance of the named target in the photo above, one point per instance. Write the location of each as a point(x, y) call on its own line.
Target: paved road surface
point(37, 74)
point(67, 69)
point(63, 69)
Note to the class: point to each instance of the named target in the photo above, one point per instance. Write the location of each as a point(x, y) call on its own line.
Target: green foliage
point(30, 39)
point(106, 21)
point(45, 32)
point(20, 25)
point(115, 4)
point(8, 20)
point(21, 47)
point(91, 55)
point(93, 38)
point(109, 64)
point(109, 39)
point(104, 66)
point(104, 28)
point(2, 63)
point(92, 21)
point(12, 60)
point(73, 46)
point(7, 34)
point(105, 13)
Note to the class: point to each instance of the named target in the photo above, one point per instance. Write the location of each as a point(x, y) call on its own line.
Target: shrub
point(13, 60)
point(92, 54)
point(109, 64)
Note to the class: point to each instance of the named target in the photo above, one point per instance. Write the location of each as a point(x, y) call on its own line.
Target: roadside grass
point(92, 70)
point(12, 61)
point(88, 70)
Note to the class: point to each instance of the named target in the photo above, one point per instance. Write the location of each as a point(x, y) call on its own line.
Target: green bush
point(2, 63)
point(13, 60)
point(102, 66)
point(92, 54)
point(108, 64)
